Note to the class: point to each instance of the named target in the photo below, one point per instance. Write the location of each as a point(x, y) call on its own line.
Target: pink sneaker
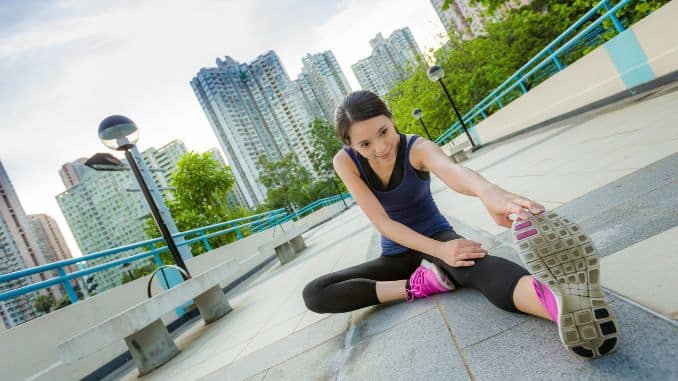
point(427, 280)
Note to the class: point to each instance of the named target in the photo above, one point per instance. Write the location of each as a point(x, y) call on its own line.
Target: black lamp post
point(126, 266)
point(119, 133)
point(436, 74)
point(419, 115)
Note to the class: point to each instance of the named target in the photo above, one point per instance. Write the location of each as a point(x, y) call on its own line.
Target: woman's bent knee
point(312, 297)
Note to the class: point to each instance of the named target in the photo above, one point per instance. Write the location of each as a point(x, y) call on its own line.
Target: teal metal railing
point(543, 65)
point(254, 223)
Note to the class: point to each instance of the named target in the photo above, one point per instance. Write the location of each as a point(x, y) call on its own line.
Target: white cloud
point(137, 58)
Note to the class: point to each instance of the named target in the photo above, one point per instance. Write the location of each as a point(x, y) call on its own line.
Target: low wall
point(646, 51)
point(29, 350)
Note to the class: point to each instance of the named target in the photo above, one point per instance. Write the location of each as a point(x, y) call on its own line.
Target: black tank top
point(398, 170)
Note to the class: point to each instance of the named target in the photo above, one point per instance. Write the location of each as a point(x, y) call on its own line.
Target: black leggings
point(355, 287)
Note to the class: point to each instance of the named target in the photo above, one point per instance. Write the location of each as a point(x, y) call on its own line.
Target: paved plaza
point(613, 171)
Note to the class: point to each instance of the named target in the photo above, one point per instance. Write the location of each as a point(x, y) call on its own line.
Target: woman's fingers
point(464, 243)
point(532, 206)
point(471, 255)
point(464, 263)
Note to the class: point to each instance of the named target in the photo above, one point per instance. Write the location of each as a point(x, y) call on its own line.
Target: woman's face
point(375, 139)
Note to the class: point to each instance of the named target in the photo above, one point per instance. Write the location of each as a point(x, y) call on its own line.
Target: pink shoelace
point(416, 282)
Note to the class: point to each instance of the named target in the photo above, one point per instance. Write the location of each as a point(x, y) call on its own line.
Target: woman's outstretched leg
point(378, 281)
point(527, 300)
point(565, 262)
point(389, 291)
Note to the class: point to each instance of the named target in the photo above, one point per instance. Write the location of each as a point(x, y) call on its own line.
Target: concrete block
point(456, 152)
point(285, 253)
point(212, 304)
point(151, 347)
point(298, 243)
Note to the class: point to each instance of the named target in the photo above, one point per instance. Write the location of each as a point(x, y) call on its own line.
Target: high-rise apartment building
point(392, 61)
point(103, 213)
point(461, 17)
point(51, 242)
point(18, 251)
point(163, 162)
point(254, 109)
point(469, 20)
point(72, 172)
point(234, 197)
point(322, 84)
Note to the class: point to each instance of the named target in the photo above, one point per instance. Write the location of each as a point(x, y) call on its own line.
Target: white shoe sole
point(442, 278)
point(560, 255)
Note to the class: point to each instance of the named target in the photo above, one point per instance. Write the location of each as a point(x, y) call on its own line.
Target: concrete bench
point(142, 328)
point(286, 244)
point(456, 152)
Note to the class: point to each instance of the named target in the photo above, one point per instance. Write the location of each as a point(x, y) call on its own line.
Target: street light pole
point(121, 134)
point(156, 213)
point(418, 114)
point(436, 74)
point(165, 215)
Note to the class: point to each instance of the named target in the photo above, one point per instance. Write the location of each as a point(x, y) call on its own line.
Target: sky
point(65, 65)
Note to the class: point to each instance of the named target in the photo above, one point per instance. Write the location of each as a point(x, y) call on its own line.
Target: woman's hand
point(459, 252)
point(501, 204)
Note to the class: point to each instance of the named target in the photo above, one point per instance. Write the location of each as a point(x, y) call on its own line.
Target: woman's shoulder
point(342, 159)
point(419, 150)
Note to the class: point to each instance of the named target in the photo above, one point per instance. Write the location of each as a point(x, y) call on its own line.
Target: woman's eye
point(363, 146)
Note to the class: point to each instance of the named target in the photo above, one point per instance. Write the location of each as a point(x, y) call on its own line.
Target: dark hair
point(358, 106)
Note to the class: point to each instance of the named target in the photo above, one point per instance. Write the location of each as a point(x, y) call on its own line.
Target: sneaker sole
point(442, 278)
point(559, 254)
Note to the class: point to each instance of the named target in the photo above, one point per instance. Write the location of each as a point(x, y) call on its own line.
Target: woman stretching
point(387, 173)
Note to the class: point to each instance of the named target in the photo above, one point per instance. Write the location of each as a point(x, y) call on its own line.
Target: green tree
point(63, 302)
point(325, 145)
point(201, 186)
point(138, 272)
point(290, 185)
point(44, 303)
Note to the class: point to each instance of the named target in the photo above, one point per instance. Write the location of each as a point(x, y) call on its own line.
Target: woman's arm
point(457, 253)
point(499, 202)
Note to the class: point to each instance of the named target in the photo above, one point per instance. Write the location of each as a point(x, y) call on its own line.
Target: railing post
point(483, 114)
point(522, 87)
point(67, 285)
point(555, 60)
point(158, 262)
point(617, 24)
point(205, 242)
point(237, 232)
point(499, 103)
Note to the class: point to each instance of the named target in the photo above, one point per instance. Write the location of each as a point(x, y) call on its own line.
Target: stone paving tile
point(374, 320)
point(597, 201)
point(646, 273)
point(420, 349)
point(473, 318)
point(532, 351)
point(635, 220)
point(318, 363)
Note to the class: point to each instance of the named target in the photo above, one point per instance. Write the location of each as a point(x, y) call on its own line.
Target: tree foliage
point(201, 186)
point(290, 185)
point(325, 145)
point(474, 68)
point(44, 303)
point(137, 272)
